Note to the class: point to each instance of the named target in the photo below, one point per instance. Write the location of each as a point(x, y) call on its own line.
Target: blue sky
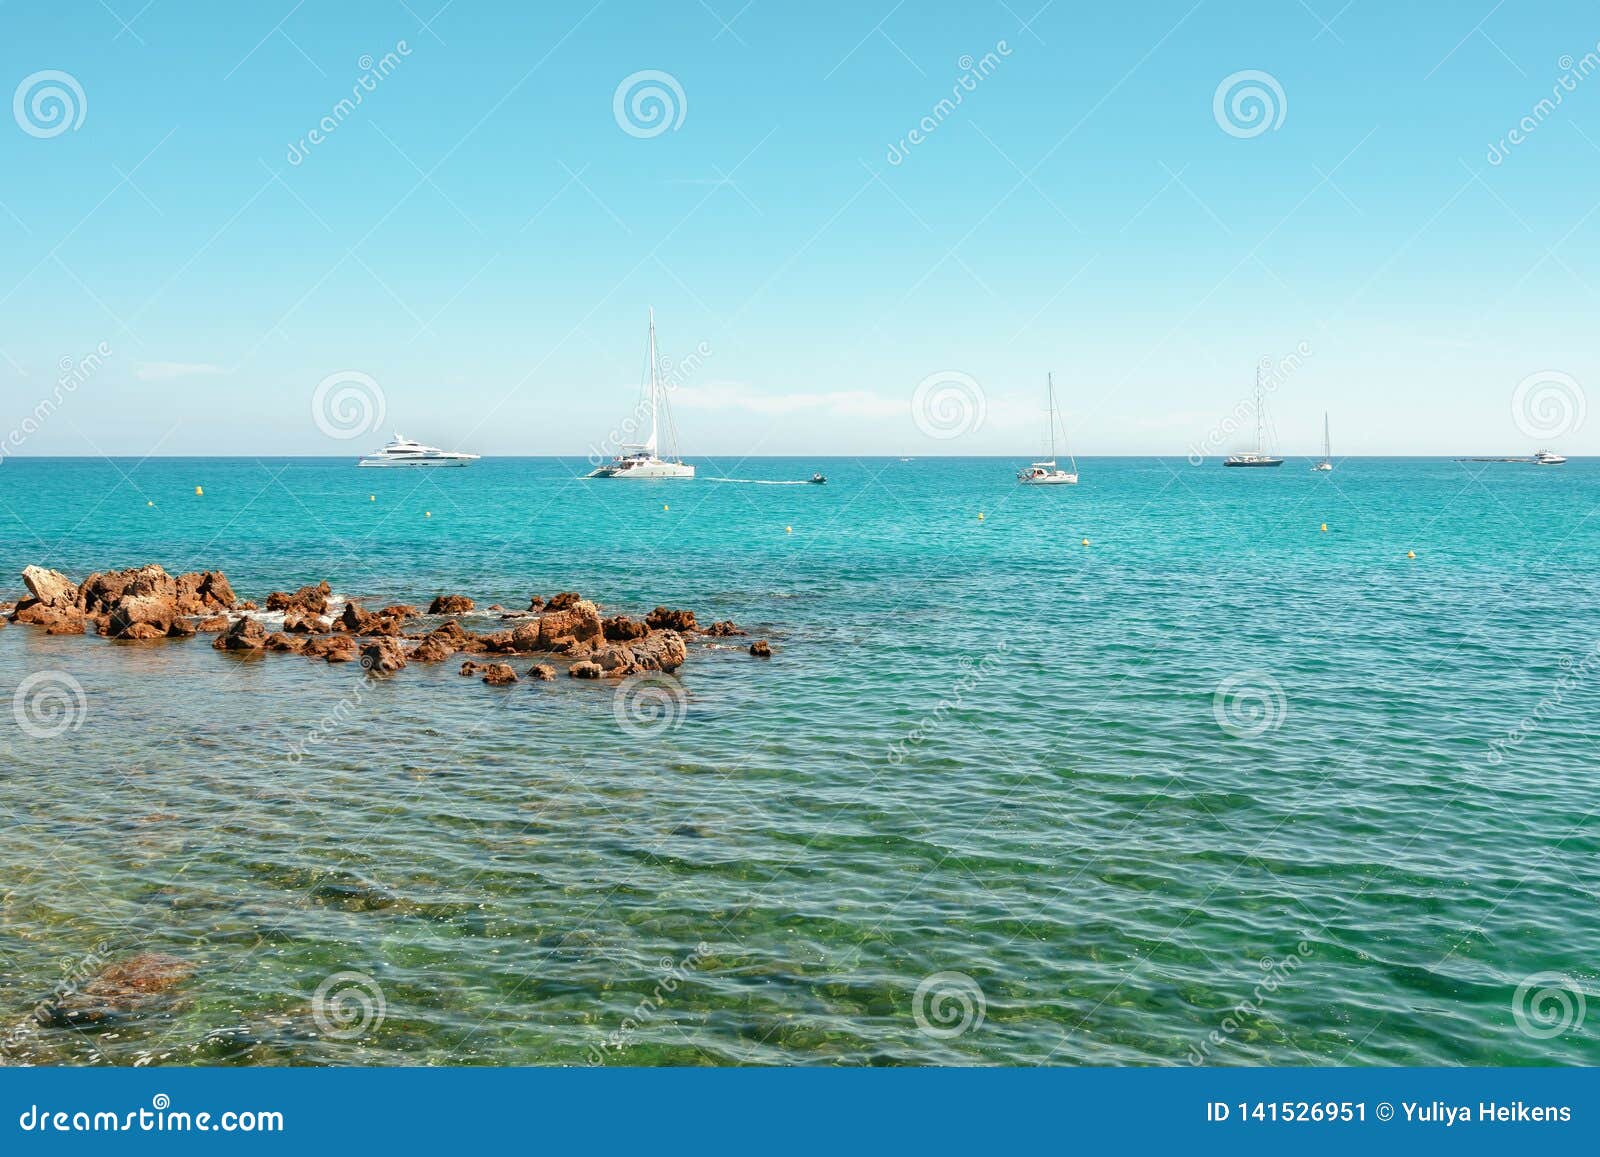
point(481, 236)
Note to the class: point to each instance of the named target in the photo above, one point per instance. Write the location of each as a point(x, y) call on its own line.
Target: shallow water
point(981, 748)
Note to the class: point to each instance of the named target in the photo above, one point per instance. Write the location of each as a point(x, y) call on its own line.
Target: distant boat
point(404, 452)
point(1047, 473)
point(1327, 447)
point(1547, 458)
point(819, 479)
point(643, 460)
point(1258, 456)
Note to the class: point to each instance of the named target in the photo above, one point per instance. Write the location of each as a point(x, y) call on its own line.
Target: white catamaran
point(643, 460)
point(1047, 473)
point(1258, 456)
point(1327, 447)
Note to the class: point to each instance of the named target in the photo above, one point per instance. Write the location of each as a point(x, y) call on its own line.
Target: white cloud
point(167, 371)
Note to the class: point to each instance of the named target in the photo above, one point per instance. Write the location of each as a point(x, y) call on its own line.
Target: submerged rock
point(499, 674)
point(761, 649)
point(244, 635)
point(542, 673)
point(583, 669)
point(660, 651)
point(125, 988)
point(382, 656)
point(722, 629)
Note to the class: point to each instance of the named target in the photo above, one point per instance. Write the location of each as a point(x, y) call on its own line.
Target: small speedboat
point(1547, 458)
point(818, 479)
point(404, 451)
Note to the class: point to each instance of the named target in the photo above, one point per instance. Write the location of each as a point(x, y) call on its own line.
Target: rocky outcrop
point(499, 674)
point(432, 649)
point(470, 668)
point(722, 629)
point(542, 673)
point(300, 621)
point(309, 598)
point(49, 587)
point(661, 651)
point(212, 623)
point(761, 649)
point(244, 635)
point(450, 605)
point(204, 592)
point(614, 659)
point(662, 619)
point(52, 602)
point(585, 670)
point(562, 600)
point(535, 603)
point(382, 656)
point(577, 621)
point(333, 648)
point(282, 642)
point(622, 629)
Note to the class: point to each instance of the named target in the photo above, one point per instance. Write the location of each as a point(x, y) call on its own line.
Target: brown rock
point(585, 670)
point(525, 636)
point(181, 629)
point(142, 631)
point(119, 990)
point(433, 649)
point(622, 629)
point(244, 635)
point(499, 674)
point(471, 668)
point(310, 598)
point(202, 592)
point(382, 656)
point(333, 648)
point(542, 672)
point(213, 623)
point(561, 601)
point(354, 619)
point(662, 619)
point(761, 649)
point(722, 629)
point(579, 621)
point(141, 610)
point(56, 620)
point(449, 605)
point(614, 659)
point(535, 603)
point(661, 651)
point(399, 611)
point(499, 641)
point(300, 621)
point(50, 587)
point(282, 642)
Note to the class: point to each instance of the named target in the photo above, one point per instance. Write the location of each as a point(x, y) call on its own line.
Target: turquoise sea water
point(1217, 786)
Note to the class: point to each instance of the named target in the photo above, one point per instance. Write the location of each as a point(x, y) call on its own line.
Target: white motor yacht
point(1547, 458)
point(404, 451)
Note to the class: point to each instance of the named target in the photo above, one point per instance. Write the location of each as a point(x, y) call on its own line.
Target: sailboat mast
point(1260, 437)
point(1327, 445)
point(1050, 393)
point(651, 445)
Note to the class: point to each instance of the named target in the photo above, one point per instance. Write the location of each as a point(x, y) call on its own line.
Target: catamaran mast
point(1327, 446)
point(1260, 438)
point(1050, 391)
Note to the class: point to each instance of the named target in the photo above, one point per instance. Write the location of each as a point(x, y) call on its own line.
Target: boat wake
point(762, 481)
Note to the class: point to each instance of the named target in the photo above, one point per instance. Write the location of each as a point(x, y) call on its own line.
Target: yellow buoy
point(372, 498)
point(427, 514)
point(149, 503)
point(664, 506)
point(1324, 528)
point(980, 516)
point(1086, 542)
point(198, 490)
point(1411, 554)
point(788, 530)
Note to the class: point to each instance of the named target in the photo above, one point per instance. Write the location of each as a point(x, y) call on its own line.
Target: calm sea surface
point(1219, 786)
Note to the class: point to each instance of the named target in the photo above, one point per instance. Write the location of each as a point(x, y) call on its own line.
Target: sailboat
point(1258, 456)
point(1047, 473)
point(1327, 447)
point(643, 460)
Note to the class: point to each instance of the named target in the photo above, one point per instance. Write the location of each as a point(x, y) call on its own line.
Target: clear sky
point(482, 234)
